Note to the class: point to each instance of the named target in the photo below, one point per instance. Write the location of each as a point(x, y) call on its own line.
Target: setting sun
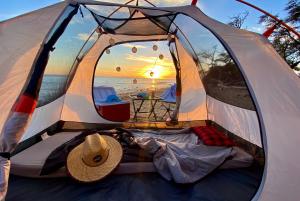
point(157, 72)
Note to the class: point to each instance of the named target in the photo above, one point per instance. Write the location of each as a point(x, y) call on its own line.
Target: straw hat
point(95, 158)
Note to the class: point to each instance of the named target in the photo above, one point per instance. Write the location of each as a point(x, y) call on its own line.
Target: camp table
point(137, 107)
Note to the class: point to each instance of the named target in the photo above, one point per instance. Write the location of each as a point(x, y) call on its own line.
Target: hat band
point(97, 159)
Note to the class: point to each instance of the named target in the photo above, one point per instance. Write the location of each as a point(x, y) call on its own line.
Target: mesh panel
point(138, 24)
point(104, 10)
point(140, 27)
point(62, 58)
point(221, 77)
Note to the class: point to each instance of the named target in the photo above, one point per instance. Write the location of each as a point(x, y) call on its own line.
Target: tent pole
point(194, 2)
point(289, 28)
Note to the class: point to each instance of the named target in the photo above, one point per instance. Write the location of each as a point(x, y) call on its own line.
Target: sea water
point(127, 85)
point(54, 86)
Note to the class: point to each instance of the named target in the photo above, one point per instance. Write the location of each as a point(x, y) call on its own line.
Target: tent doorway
point(138, 86)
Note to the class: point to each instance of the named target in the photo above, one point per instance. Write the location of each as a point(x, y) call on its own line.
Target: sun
point(155, 72)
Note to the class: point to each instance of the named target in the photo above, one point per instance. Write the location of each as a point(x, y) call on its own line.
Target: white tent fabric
point(79, 92)
point(20, 42)
point(275, 89)
point(273, 86)
point(43, 117)
point(193, 95)
point(236, 120)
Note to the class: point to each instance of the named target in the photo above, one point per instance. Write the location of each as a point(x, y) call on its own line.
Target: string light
point(112, 41)
point(161, 56)
point(134, 50)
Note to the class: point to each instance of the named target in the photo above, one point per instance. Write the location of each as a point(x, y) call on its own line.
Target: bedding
point(181, 157)
point(212, 137)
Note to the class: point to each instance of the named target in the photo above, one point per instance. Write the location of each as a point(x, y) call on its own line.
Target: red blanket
point(212, 137)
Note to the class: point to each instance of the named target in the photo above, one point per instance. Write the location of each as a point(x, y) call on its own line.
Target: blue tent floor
point(221, 185)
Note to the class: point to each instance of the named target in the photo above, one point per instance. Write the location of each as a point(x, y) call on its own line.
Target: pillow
point(112, 99)
point(143, 95)
point(212, 137)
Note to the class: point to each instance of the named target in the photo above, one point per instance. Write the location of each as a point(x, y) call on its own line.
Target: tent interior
point(187, 81)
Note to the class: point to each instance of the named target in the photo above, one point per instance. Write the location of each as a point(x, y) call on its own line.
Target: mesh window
point(62, 58)
point(138, 23)
point(150, 3)
point(221, 77)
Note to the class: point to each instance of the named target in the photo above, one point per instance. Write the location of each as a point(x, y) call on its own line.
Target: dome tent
point(271, 111)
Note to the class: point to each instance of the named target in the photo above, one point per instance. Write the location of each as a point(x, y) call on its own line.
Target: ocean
point(53, 85)
point(126, 85)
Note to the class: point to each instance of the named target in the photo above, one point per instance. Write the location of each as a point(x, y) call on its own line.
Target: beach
point(126, 88)
point(53, 87)
point(146, 107)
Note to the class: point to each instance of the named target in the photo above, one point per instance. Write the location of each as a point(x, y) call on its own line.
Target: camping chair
point(109, 105)
point(168, 100)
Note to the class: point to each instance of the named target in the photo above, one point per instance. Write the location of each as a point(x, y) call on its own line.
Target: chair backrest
point(169, 94)
point(102, 92)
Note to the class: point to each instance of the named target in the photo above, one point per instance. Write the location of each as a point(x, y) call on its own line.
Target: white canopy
point(271, 121)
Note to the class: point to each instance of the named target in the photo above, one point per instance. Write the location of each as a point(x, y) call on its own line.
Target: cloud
point(171, 2)
point(85, 36)
point(141, 58)
point(131, 46)
point(151, 60)
point(256, 29)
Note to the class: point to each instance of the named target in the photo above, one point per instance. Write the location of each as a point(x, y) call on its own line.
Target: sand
point(146, 107)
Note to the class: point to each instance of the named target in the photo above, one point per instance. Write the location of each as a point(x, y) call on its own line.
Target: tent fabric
point(19, 47)
point(139, 24)
point(44, 117)
point(4, 176)
point(151, 186)
point(30, 161)
point(20, 113)
point(79, 92)
point(272, 85)
point(193, 95)
point(234, 119)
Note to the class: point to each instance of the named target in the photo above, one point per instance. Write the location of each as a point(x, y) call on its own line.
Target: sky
point(139, 64)
point(145, 60)
point(218, 9)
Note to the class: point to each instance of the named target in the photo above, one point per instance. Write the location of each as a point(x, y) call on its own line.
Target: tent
point(229, 76)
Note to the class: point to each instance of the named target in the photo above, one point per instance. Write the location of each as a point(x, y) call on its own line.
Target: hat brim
point(84, 173)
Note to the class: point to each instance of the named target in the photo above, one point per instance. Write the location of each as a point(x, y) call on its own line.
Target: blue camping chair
point(168, 99)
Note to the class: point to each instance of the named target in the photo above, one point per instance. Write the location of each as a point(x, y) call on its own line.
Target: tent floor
point(221, 185)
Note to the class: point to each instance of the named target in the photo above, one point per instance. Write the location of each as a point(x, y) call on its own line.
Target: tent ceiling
point(150, 3)
point(132, 21)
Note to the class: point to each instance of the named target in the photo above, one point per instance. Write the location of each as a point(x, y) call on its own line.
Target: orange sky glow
point(143, 64)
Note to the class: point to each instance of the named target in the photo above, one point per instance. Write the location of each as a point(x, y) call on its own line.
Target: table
point(137, 107)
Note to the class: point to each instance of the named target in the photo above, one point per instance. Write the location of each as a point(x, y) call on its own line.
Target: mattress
point(29, 162)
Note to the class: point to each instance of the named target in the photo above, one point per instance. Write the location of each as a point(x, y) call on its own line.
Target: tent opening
point(139, 86)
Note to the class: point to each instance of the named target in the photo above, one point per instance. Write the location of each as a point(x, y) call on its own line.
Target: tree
point(210, 56)
point(293, 9)
point(238, 20)
point(282, 40)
